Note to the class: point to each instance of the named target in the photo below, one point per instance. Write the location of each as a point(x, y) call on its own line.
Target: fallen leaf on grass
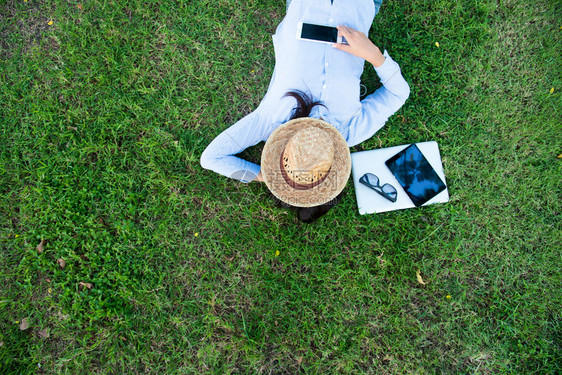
point(122, 338)
point(418, 276)
point(560, 156)
point(61, 262)
point(85, 285)
point(481, 357)
point(41, 246)
point(299, 360)
point(382, 262)
point(79, 6)
point(24, 324)
point(44, 333)
point(1, 344)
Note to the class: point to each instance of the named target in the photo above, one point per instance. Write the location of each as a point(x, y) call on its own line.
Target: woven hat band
point(317, 178)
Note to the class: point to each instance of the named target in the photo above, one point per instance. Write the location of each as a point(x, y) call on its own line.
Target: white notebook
point(373, 161)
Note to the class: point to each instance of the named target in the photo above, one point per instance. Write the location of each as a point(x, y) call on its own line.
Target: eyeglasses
point(388, 191)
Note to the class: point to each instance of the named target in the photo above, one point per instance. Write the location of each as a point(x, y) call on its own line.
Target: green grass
point(104, 115)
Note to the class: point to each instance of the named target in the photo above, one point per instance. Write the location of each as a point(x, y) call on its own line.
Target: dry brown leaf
point(1, 344)
point(72, 128)
point(79, 6)
point(418, 276)
point(122, 338)
point(44, 333)
point(86, 285)
point(41, 246)
point(61, 262)
point(24, 324)
point(382, 262)
point(299, 360)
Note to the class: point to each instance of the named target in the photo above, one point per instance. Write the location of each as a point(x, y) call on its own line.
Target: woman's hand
point(259, 177)
point(359, 45)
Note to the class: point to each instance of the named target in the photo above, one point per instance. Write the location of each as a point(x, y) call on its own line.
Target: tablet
point(415, 175)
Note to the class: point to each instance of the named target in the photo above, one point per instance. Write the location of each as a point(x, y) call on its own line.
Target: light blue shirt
point(328, 74)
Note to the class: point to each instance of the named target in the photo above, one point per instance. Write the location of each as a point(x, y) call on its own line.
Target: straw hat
point(306, 162)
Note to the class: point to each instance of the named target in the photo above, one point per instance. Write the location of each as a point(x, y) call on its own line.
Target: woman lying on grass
point(306, 161)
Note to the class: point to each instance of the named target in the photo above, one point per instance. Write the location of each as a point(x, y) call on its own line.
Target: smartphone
point(319, 33)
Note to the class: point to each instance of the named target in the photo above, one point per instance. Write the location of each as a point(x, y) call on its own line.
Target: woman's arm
point(384, 102)
point(219, 155)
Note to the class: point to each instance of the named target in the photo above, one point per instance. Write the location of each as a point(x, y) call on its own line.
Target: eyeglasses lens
point(390, 190)
point(372, 179)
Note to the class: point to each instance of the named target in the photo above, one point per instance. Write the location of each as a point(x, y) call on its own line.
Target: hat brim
point(322, 193)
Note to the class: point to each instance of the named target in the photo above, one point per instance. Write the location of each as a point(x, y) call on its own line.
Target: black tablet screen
point(415, 174)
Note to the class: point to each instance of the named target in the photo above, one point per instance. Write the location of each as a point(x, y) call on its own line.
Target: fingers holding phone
point(358, 44)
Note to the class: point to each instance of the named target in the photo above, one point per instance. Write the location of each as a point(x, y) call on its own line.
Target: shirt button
point(324, 87)
point(326, 64)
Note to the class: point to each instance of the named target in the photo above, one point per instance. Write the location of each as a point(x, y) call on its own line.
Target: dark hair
point(305, 103)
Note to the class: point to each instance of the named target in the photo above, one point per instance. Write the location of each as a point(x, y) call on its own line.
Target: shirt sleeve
point(219, 155)
point(380, 105)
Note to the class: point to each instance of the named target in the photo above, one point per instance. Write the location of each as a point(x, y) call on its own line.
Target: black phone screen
point(415, 175)
point(318, 32)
